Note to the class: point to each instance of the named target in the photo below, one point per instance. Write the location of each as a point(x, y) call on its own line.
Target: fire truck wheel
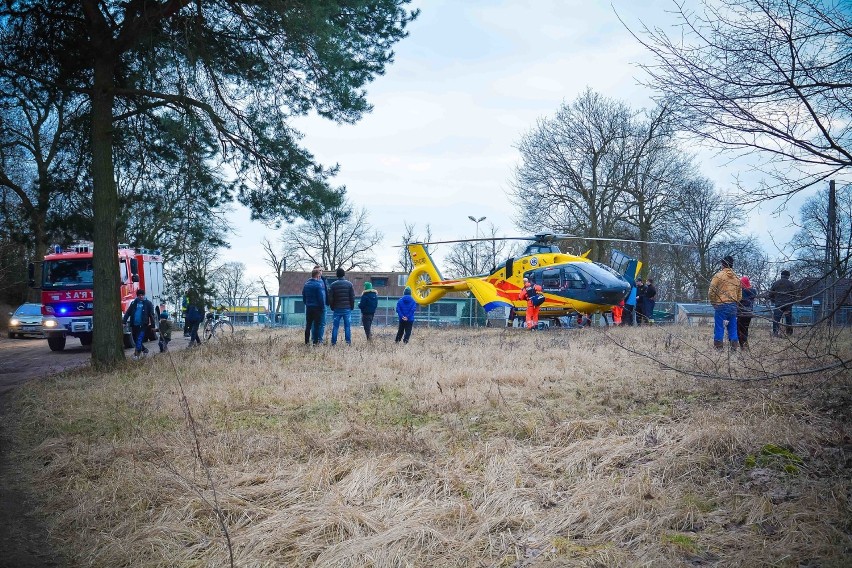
point(86, 339)
point(56, 342)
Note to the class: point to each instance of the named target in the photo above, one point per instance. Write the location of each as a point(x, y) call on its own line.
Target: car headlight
point(13, 321)
point(49, 323)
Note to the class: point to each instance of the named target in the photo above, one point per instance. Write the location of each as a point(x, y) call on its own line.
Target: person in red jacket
point(527, 292)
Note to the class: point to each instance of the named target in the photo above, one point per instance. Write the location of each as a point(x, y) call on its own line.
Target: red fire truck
point(66, 289)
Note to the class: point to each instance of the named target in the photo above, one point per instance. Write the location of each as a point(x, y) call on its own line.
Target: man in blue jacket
point(368, 304)
point(405, 308)
point(313, 295)
point(140, 314)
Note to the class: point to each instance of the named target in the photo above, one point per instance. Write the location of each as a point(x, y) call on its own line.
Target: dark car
point(26, 321)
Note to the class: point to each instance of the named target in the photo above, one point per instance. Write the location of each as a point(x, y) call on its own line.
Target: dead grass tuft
point(489, 448)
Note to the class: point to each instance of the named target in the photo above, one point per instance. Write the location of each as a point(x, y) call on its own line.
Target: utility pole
point(831, 259)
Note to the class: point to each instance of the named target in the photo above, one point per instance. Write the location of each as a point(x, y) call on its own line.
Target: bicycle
point(217, 325)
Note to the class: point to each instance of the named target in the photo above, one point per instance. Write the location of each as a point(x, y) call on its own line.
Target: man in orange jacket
point(527, 292)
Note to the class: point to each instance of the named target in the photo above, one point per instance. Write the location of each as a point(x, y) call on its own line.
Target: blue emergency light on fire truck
point(67, 281)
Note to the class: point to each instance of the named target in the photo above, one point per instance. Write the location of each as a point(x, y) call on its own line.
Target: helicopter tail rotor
point(423, 275)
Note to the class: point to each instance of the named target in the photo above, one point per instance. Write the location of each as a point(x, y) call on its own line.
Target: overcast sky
point(472, 77)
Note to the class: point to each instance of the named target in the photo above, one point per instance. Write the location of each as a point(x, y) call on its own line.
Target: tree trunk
point(106, 345)
point(34, 294)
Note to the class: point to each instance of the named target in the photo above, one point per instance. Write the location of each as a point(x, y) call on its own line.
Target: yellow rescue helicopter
point(570, 283)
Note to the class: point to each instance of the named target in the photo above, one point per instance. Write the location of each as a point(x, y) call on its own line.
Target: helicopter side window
point(550, 280)
point(572, 280)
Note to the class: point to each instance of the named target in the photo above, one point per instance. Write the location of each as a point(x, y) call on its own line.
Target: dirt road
point(22, 360)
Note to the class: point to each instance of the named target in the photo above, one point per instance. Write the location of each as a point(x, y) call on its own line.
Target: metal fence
point(289, 311)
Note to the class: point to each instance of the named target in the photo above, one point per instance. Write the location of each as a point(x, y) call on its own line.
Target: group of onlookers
point(641, 312)
point(339, 296)
point(733, 300)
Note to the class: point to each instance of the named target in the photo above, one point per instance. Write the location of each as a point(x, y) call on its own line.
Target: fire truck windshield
point(66, 273)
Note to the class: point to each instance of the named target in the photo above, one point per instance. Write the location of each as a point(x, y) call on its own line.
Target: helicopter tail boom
point(486, 294)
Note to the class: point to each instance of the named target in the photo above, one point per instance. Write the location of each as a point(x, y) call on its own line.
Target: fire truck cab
point(67, 298)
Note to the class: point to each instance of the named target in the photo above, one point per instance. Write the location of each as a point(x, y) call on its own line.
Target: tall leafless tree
point(277, 260)
point(767, 76)
point(704, 217)
point(232, 285)
point(338, 237)
point(477, 257)
point(656, 172)
point(571, 176)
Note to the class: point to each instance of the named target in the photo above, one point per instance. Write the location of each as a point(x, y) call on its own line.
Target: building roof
point(385, 283)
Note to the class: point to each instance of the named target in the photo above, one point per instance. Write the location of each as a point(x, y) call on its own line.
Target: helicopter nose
point(614, 293)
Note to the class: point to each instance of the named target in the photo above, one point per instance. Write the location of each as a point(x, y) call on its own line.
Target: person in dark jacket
point(650, 300)
point(140, 314)
point(194, 317)
point(783, 296)
point(640, 302)
point(184, 306)
point(313, 296)
point(324, 315)
point(368, 304)
point(405, 308)
point(745, 311)
point(341, 299)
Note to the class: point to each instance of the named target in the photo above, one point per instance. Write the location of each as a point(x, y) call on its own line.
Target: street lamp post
point(475, 260)
point(476, 246)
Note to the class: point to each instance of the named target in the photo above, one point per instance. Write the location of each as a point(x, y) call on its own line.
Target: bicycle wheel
point(222, 329)
point(208, 331)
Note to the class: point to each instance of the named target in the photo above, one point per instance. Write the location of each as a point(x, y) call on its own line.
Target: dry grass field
point(464, 448)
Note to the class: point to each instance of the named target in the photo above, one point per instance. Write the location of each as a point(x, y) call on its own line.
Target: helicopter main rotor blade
point(567, 237)
point(545, 238)
point(482, 239)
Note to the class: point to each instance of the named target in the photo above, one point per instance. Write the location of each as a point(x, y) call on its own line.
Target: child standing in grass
point(405, 308)
point(165, 331)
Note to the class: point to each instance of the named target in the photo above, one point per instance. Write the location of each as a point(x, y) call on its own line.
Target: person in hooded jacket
point(367, 304)
point(641, 289)
point(783, 296)
point(725, 293)
point(405, 308)
point(744, 311)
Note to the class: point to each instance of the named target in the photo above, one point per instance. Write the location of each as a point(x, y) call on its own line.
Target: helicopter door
point(550, 280)
point(510, 264)
point(572, 279)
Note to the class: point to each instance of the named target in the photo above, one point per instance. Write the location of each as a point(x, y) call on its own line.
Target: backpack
point(537, 300)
